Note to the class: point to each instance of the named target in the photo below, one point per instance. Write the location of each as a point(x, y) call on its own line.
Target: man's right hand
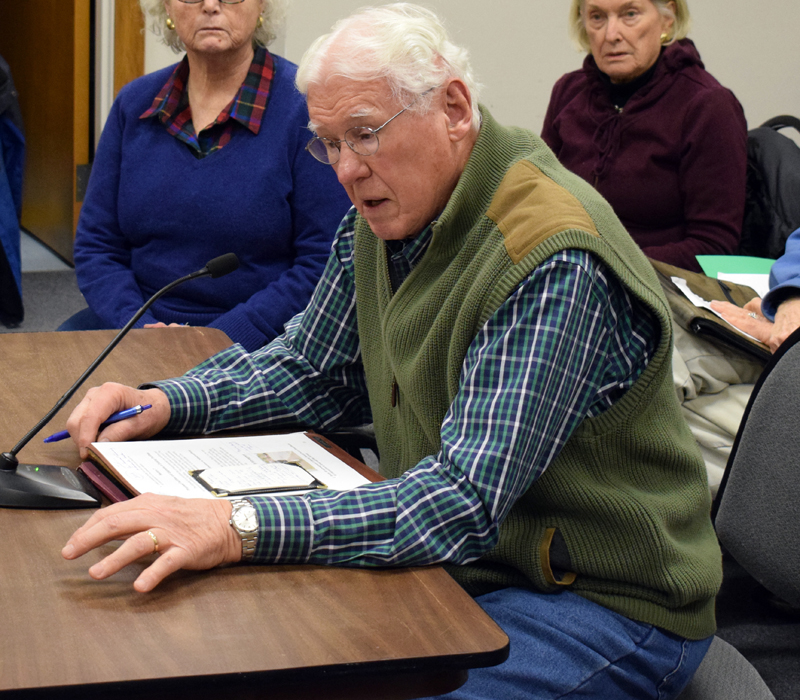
point(100, 402)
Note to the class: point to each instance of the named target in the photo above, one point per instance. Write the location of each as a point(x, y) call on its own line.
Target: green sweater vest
point(621, 516)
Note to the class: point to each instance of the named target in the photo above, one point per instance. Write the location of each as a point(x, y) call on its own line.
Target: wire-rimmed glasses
point(362, 140)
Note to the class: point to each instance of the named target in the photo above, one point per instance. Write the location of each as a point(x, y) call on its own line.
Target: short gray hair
point(273, 15)
point(404, 44)
point(680, 28)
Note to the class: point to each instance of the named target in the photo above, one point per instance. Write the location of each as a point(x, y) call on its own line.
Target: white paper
point(681, 284)
point(165, 466)
point(758, 283)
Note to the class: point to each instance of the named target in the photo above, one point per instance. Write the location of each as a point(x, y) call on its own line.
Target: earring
point(170, 24)
point(260, 22)
point(664, 38)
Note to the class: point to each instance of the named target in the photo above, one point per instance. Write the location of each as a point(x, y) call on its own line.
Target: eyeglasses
point(361, 139)
point(224, 2)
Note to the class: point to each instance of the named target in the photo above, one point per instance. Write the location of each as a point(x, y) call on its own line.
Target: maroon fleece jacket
point(672, 162)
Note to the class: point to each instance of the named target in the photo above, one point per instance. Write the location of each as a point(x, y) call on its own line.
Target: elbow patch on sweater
point(529, 207)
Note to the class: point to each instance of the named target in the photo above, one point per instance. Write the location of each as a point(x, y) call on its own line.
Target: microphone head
point(222, 265)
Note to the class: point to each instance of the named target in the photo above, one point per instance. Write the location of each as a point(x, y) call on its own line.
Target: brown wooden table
point(241, 632)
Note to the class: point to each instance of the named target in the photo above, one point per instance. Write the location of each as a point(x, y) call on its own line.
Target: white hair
point(273, 15)
point(404, 44)
point(680, 27)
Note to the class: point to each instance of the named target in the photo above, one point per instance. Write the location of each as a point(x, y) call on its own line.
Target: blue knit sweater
point(153, 212)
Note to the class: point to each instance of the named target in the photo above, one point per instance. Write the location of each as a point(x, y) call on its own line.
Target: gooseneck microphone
point(46, 486)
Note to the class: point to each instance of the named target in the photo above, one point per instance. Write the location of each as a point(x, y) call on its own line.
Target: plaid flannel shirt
point(513, 412)
point(171, 106)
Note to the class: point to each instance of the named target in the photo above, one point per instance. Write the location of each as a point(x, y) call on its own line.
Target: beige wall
point(156, 54)
point(519, 49)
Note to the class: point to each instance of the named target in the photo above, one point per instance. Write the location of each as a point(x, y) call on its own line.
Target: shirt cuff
point(776, 296)
point(285, 529)
point(189, 404)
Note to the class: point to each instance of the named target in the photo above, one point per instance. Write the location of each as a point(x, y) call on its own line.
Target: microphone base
point(46, 487)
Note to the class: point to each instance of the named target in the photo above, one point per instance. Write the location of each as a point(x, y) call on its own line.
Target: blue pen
point(113, 418)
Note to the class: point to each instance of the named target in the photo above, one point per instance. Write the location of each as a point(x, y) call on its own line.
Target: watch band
point(248, 546)
point(249, 537)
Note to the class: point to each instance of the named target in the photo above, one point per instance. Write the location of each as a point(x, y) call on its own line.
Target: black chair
point(726, 675)
point(757, 510)
point(772, 208)
point(756, 515)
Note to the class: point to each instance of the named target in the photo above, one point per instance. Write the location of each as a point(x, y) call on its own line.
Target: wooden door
point(128, 42)
point(47, 45)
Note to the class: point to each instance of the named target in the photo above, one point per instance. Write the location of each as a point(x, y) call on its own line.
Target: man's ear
point(458, 106)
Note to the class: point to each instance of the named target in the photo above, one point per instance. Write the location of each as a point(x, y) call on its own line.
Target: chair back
point(725, 674)
point(757, 509)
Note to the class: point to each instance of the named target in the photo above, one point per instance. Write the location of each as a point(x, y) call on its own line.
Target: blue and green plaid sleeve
point(565, 345)
point(310, 376)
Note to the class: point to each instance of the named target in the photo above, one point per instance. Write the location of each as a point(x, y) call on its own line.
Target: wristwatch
point(244, 519)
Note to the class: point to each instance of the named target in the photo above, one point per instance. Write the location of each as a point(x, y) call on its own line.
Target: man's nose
point(350, 166)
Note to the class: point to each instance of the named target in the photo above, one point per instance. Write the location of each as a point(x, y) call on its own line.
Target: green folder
point(734, 264)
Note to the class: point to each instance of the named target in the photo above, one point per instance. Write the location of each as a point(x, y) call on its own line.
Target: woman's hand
point(185, 533)
point(100, 402)
point(787, 320)
point(747, 318)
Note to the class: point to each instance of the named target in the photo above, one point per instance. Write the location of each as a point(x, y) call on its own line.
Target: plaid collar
point(171, 105)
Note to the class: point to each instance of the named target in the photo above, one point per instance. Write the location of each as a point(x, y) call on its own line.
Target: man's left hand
point(185, 533)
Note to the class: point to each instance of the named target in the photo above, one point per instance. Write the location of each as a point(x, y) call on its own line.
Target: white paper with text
point(171, 467)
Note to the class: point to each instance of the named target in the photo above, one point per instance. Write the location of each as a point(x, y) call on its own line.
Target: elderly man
point(487, 311)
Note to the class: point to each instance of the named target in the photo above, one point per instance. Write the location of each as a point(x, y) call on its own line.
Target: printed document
point(226, 467)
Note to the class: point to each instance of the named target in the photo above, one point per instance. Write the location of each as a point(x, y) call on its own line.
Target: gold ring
point(155, 541)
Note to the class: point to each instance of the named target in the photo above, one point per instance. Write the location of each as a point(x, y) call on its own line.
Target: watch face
point(245, 519)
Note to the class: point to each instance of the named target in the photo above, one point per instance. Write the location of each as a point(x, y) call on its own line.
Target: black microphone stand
point(47, 486)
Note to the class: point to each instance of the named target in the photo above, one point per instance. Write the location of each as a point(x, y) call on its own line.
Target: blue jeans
point(564, 646)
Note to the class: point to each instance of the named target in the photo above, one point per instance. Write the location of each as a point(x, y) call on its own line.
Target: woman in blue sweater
point(201, 159)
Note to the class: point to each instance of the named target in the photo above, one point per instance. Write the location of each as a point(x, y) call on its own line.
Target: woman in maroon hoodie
point(652, 130)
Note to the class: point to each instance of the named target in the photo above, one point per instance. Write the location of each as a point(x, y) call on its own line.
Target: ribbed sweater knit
point(621, 516)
